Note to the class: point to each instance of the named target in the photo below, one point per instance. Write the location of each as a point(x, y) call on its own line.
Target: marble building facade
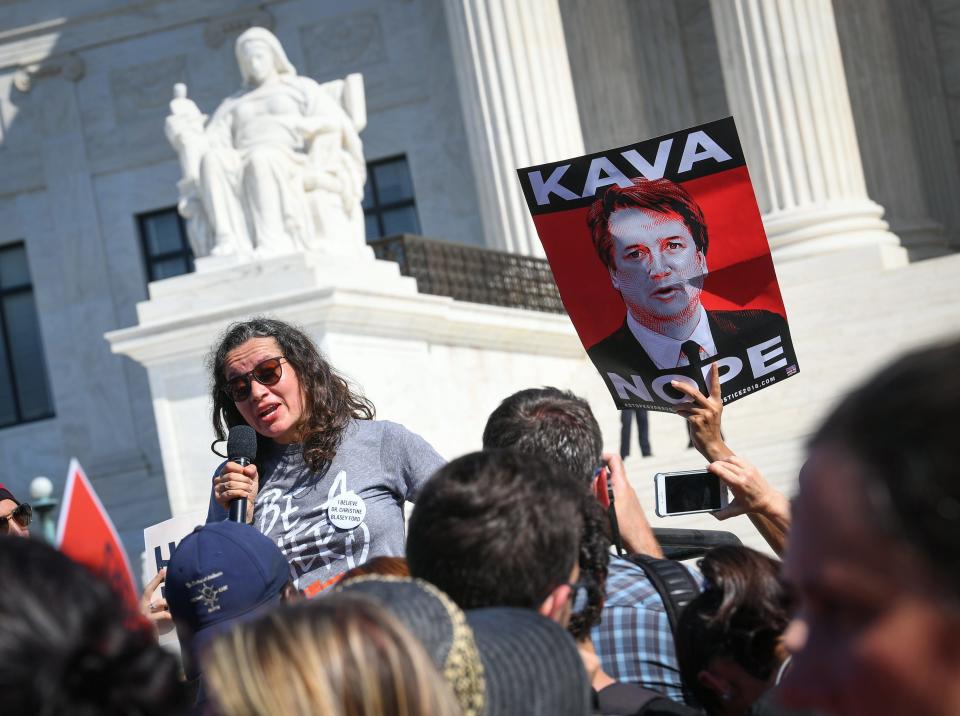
point(850, 113)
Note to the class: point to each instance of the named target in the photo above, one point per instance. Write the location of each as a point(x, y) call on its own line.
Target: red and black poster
point(663, 265)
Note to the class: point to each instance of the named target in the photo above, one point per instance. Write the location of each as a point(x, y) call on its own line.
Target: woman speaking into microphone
point(329, 482)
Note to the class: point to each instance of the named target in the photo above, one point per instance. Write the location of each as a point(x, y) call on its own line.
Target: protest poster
point(662, 263)
point(86, 535)
point(159, 542)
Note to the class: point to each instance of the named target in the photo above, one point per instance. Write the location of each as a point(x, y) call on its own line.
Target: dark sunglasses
point(22, 515)
point(266, 372)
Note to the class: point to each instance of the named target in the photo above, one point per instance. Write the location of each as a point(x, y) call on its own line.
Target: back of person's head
point(560, 426)
point(553, 423)
point(220, 573)
point(438, 624)
point(340, 656)
point(499, 660)
point(901, 425)
point(68, 647)
point(729, 637)
point(497, 528)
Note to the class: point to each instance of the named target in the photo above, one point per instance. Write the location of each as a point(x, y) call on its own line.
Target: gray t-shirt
point(328, 523)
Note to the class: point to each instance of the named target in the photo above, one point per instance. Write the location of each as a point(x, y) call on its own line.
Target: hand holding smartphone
point(688, 492)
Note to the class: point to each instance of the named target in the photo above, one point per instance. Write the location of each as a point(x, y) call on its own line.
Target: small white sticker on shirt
point(346, 511)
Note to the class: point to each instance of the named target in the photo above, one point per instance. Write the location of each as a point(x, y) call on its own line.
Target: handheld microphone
point(241, 449)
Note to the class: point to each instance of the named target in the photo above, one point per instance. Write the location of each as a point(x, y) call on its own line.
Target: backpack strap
point(673, 581)
point(677, 588)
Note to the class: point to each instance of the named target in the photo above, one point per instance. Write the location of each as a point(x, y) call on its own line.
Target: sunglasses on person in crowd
point(266, 372)
point(22, 515)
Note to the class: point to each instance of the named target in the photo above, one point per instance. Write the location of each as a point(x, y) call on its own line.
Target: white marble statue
point(279, 166)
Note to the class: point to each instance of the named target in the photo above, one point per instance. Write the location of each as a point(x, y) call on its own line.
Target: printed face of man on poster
point(652, 238)
point(658, 269)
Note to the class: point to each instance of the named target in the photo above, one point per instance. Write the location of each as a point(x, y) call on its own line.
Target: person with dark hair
point(766, 507)
point(729, 639)
point(15, 516)
point(503, 528)
point(631, 632)
point(498, 528)
point(874, 551)
point(329, 482)
point(652, 238)
point(550, 422)
point(68, 646)
point(559, 425)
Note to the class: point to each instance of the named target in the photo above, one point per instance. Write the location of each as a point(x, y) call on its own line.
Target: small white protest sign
point(159, 542)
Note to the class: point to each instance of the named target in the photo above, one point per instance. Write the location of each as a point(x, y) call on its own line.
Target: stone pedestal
point(436, 365)
point(518, 104)
point(786, 86)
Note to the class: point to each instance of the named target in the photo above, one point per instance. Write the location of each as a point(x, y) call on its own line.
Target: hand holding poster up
point(661, 260)
point(159, 542)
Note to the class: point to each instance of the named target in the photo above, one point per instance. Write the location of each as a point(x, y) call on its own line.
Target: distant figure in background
point(15, 516)
point(643, 432)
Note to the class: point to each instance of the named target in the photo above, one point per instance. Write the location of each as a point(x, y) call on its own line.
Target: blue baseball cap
point(220, 574)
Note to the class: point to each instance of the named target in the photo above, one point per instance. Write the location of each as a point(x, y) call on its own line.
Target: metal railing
point(470, 273)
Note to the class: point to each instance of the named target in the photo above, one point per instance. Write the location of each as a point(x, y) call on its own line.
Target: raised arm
point(704, 414)
point(634, 527)
point(767, 508)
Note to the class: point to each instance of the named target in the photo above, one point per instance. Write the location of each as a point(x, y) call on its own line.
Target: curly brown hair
point(329, 402)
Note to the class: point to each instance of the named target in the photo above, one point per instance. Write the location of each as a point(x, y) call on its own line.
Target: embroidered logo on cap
point(209, 594)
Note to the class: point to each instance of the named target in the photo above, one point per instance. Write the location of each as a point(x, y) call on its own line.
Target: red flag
point(86, 534)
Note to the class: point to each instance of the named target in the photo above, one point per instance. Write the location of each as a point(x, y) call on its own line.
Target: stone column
point(636, 104)
point(879, 82)
point(924, 82)
point(517, 97)
point(788, 93)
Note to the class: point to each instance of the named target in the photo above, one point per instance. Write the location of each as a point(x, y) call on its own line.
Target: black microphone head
point(242, 442)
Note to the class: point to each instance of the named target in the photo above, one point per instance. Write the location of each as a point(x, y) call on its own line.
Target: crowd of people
point(528, 579)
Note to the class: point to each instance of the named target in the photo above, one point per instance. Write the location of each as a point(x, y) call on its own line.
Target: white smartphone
point(688, 492)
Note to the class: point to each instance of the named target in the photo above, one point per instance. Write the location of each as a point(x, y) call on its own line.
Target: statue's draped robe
point(267, 182)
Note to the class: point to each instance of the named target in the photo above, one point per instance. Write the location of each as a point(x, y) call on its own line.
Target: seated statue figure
point(279, 166)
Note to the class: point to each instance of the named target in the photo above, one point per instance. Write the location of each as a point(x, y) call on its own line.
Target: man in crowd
point(652, 238)
point(633, 641)
point(500, 529)
point(15, 516)
point(504, 528)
